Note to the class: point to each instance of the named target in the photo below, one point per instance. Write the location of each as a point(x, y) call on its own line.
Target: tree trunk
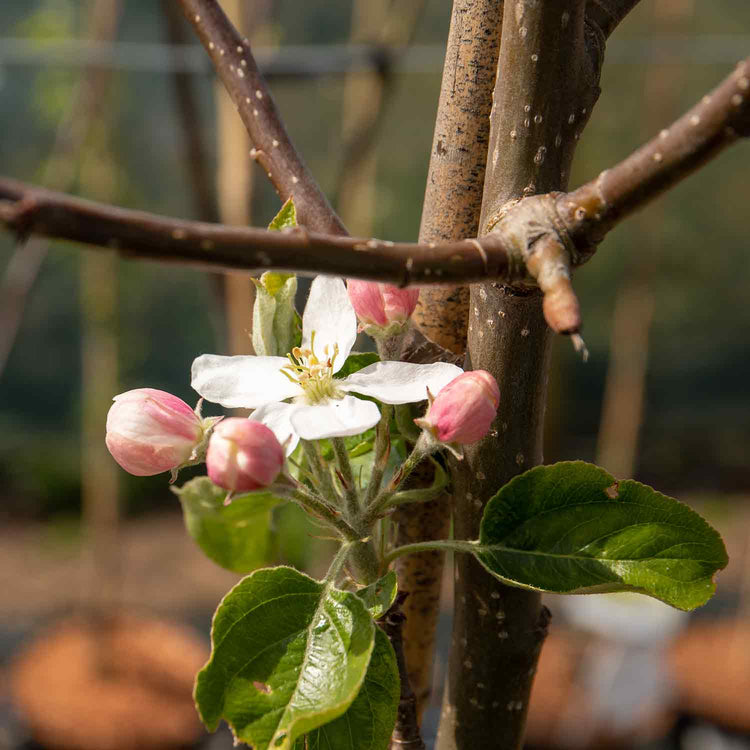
point(545, 89)
point(453, 200)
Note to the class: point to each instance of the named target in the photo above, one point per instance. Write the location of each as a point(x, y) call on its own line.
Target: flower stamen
point(313, 375)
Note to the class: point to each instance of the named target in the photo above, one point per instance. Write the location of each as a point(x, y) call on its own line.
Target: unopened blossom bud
point(382, 309)
point(243, 455)
point(151, 431)
point(463, 410)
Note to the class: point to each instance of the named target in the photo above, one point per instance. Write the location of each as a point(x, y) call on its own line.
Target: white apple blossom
point(298, 396)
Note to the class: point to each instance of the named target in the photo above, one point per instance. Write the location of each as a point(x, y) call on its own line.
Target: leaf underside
point(289, 655)
point(236, 536)
point(571, 528)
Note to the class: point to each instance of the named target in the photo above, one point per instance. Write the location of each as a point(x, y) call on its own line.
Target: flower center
point(314, 375)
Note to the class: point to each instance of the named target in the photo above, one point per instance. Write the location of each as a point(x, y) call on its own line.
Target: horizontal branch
point(537, 239)
point(717, 121)
point(28, 209)
point(273, 149)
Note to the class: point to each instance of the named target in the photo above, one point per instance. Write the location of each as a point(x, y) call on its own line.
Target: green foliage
point(357, 361)
point(286, 218)
point(276, 329)
point(369, 722)
point(571, 528)
point(236, 536)
point(289, 655)
point(379, 596)
point(276, 324)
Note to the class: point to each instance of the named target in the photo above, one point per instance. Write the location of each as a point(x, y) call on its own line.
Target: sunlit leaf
point(289, 655)
point(572, 528)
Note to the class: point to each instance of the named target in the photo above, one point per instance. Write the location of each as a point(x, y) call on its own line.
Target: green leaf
point(369, 722)
point(571, 528)
point(275, 326)
point(357, 361)
point(236, 536)
point(289, 654)
point(287, 217)
point(379, 596)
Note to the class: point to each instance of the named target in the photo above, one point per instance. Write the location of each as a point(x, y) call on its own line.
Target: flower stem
point(318, 507)
point(338, 562)
point(424, 447)
point(382, 449)
point(319, 469)
point(351, 496)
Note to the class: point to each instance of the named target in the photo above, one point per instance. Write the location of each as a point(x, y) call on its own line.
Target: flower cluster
point(298, 397)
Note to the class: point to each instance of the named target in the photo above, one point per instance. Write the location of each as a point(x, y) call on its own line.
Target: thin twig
point(607, 14)
point(406, 734)
point(234, 62)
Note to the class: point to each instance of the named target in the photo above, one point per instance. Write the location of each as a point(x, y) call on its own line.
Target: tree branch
point(561, 229)
point(607, 14)
point(28, 209)
point(274, 150)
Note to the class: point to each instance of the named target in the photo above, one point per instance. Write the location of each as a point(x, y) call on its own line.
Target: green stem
point(346, 476)
point(317, 507)
point(424, 447)
point(382, 448)
point(319, 469)
point(338, 562)
point(447, 545)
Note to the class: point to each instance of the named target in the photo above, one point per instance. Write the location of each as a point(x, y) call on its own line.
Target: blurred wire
point(339, 59)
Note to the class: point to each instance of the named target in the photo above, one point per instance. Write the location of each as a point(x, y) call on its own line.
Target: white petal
point(276, 418)
point(400, 382)
point(242, 382)
point(330, 314)
point(335, 418)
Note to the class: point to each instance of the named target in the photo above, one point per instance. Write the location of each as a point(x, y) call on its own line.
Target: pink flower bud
point(463, 410)
point(381, 305)
point(243, 455)
point(151, 431)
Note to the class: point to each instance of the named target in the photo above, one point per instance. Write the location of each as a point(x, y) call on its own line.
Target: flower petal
point(335, 418)
point(276, 418)
point(330, 314)
point(242, 382)
point(400, 382)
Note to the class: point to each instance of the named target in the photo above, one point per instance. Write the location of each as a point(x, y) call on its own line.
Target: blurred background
point(116, 102)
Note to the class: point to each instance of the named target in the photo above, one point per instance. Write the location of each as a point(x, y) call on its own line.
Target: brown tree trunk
point(545, 89)
point(453, 200)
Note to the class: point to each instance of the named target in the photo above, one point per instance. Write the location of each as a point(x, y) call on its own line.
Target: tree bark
point(545, 89)
point(453, 200)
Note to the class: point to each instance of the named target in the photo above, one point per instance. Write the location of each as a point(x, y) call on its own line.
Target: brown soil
point(121, 684)
point(560, 714)
point(711, 666)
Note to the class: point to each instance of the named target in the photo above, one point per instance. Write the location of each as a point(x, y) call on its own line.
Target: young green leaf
point(287, 217)
point(289, 654)
point(571, 528)
point(276, 328)
point(379, 596)
point(369, 722)
point(236, 536)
